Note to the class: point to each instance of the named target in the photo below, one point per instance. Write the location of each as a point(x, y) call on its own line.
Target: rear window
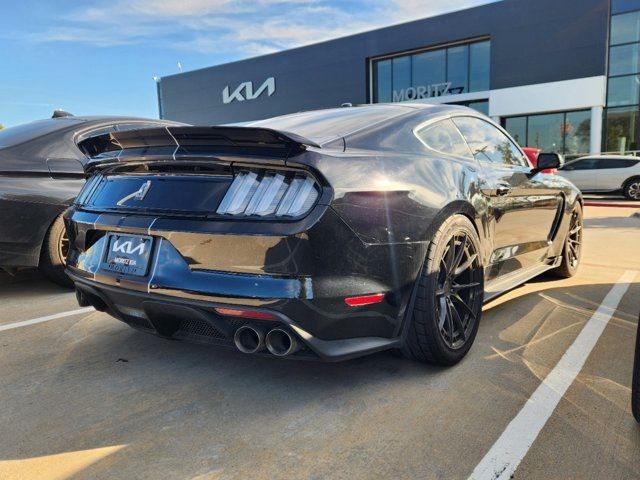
point(325, 125)
point(22, 133)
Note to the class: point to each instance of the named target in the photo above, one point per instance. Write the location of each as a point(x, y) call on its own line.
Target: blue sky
point(100, 56)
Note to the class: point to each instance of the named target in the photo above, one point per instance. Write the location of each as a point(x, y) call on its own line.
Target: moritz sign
point(426, 91)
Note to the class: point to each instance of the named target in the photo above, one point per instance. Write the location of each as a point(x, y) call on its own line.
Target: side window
point(584, 164)
point(615, 163)
point(488, 143)
point(444, 137)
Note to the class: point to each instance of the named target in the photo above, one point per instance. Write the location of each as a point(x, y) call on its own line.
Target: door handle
point(503, 189)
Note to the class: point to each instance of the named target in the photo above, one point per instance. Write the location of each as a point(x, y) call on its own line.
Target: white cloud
point(240, 27)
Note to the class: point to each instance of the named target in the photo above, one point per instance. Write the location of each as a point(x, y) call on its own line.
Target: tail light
point(269, 193)
point(364, 300)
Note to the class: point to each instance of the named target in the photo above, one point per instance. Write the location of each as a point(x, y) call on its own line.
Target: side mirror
point(548, 161)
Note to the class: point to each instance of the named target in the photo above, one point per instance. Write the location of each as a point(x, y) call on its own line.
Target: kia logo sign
point(245, 91)
point(127, 247)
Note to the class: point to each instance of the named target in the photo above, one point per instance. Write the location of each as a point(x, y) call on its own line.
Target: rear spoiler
point(182, 141)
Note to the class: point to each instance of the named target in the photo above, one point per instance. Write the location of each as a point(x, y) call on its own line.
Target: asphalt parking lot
point(84, 396)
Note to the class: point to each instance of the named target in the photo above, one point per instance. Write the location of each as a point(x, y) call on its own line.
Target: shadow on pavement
point(28, 283)
point(182, 410)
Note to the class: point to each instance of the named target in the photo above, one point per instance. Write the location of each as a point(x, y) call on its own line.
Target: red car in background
point(532, 155)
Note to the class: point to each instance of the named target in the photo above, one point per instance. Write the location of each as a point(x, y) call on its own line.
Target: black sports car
point(326, 234)
point(41, 172)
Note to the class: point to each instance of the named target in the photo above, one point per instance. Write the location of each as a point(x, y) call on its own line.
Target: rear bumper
point(302, 275)
point(197, 321)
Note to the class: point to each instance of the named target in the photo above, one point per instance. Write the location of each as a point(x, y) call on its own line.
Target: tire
point(439, 330)
point(635, 385)
point(572, 250)
point(631, 189)
point(52, 256)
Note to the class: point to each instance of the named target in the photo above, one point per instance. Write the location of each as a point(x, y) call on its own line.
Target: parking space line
point(505, 455)
point(55, 316)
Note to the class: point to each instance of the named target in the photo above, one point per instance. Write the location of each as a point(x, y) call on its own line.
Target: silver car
point(610, 173)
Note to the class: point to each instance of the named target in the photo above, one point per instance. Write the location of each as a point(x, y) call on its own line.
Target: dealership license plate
point(128, 254)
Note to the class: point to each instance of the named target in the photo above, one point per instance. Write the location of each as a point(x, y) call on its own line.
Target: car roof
point(325, 125)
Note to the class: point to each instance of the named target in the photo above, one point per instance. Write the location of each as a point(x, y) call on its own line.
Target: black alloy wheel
point(574, 239)
point(53, 256)
point(572, 251)
point(448, 302)
point(458, 291)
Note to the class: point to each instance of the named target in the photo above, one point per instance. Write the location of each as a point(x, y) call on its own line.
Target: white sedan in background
point(610, 173)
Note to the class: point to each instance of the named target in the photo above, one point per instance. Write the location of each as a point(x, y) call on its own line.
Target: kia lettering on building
point(245, 91)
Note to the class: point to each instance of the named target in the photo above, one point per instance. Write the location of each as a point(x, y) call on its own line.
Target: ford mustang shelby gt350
point(326, 234)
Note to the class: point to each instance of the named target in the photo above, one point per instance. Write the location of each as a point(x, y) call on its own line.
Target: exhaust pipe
point(281, 343)
point(249, 339)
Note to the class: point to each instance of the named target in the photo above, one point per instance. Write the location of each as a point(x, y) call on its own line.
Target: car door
point(612, 172)
point(583, 173)
point(522, 208)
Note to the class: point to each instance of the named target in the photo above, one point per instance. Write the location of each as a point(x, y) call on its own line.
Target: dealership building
point(559, 75)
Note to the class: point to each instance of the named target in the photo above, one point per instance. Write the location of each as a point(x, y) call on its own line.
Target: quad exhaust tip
point(249, 339)
point(281, 343)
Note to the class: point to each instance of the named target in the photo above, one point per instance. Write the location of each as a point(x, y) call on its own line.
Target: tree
point(1, 126)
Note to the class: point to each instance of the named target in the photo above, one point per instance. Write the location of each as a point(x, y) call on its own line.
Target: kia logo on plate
point(127, 247)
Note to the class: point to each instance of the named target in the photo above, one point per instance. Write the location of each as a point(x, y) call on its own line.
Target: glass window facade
point(568, 133)
point(384, 80)
point(625, 28)
point(479, 63)
point(458, 68)
point(621, 129)
point(577, 132)
point(481, 106)
point(429, 68)
point(622, 6)
point(624, 59)
point(433, 73)
point(623, 87)
point(623, 91)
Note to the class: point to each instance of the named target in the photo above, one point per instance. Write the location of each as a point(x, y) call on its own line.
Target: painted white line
point(55, 316)
point(503, 458)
